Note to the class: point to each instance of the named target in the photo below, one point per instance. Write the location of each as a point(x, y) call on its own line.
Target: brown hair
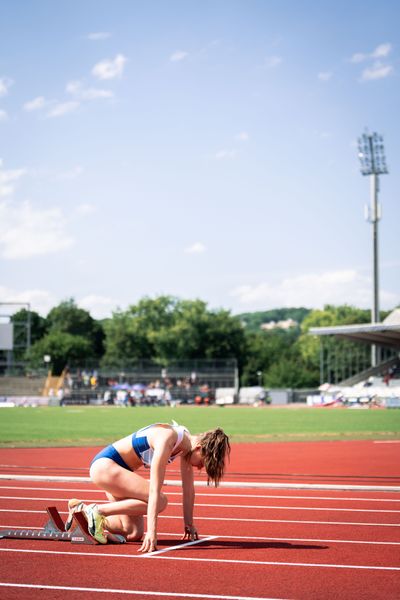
point(215, 448)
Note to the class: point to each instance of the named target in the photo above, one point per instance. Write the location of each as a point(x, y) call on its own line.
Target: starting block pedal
point(80, 532)
point(54, 529)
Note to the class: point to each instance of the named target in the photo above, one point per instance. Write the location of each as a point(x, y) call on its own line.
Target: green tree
point(264, 349)
point(67, 317)
point(63, 348)
point(130, 334)
point(197, 332)
point(291, 372)
point(165, 328)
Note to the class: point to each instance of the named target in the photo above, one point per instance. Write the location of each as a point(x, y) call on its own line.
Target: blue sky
point(203, 149)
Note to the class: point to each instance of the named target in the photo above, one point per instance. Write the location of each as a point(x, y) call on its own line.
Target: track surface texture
point(319, 527)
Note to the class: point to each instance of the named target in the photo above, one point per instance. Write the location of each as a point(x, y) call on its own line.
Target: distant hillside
point(254, 320)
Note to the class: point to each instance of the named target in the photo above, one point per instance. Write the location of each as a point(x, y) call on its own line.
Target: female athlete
point(130, 496)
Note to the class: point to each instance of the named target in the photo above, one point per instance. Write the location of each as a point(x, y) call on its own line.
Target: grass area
point(87, 425)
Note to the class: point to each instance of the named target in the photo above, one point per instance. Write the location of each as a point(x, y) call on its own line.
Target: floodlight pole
point(374, 218)
point(373, 163)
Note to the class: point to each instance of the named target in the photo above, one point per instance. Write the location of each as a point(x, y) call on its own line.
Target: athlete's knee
point(98, 475)
point(95, 475)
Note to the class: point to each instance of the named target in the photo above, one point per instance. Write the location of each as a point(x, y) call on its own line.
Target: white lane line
point(18, 510)
point(208, 560)
point(198, 518)
point(244, 537)
point(386, 441)
point(282, 539)
point(214, 519)
point(132, 592)
point(223, 484)
point(198, 505)
point(212, 494)
point(326, 508)
point(180, 546)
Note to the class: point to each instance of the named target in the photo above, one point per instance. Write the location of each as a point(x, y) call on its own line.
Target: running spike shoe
point(74, 506)
point(96, 523)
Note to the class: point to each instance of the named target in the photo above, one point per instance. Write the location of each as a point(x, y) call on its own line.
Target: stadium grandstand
point(344, 379)
point(147, 383)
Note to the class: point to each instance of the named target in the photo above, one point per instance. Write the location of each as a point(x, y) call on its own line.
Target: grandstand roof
point(383, 334)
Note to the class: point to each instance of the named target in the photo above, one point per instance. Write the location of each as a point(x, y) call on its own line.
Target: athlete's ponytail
point(215, 450)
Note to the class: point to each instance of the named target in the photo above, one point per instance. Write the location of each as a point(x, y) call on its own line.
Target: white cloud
point(26, 232)
point(41, 301)
point(271, 62)
point(196, 248)
point(225, 154)
point(95, 93)
point(99, 35)
point(98, 306)
point(71, 174)
point(382, 51)
point(5, 84)
point(85, 209)
point(63, 108)
point(325, 75)
point(313, 290)
point(3, 115)
point(178, 55)
point(76, 89)
point(377, 71)
point(358, 57)
point(376, 68)
point(35, 104)
point(110, 69)
point(323, 135)
point(8, 178)
point(243, 136)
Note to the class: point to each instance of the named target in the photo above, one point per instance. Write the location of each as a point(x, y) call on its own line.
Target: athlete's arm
point(190, 532)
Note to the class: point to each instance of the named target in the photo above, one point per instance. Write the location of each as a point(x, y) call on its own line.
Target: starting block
point(54, 529)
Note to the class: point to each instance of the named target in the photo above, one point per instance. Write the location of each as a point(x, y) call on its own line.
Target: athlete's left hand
point(190, 533)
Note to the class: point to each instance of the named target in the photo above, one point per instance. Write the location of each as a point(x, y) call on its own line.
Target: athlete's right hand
point(149, 543)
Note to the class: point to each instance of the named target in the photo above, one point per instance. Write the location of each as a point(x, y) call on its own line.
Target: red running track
point(256, 543)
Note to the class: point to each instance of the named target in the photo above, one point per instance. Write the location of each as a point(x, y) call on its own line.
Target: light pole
point(47, 361)
point(371, 153)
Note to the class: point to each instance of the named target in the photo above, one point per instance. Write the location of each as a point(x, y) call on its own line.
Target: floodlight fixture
point(371, 153)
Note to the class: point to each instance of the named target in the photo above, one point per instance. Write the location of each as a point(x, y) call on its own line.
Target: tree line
point(166, 329)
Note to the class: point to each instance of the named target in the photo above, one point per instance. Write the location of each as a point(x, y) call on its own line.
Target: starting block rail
point(54, 529)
